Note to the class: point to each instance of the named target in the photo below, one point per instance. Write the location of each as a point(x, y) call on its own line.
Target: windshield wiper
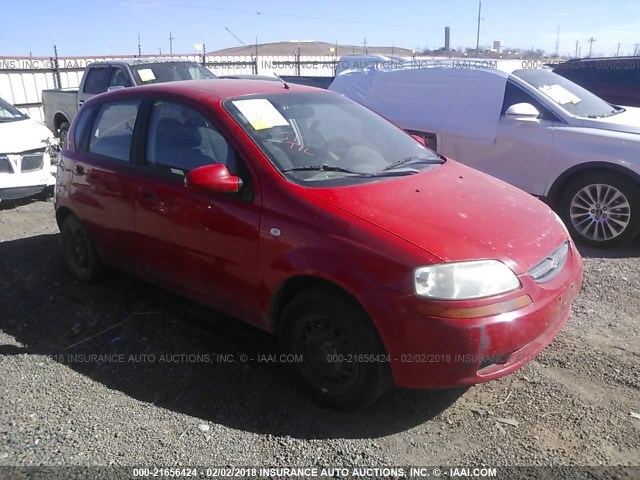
point(324, 168)
point(414, 159)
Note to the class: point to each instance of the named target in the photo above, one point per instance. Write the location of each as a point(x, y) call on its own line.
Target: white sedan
point(25, 163)
point(529, 127)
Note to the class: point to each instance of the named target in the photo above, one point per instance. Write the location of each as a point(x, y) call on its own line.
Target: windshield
point(323, 137)
point(160, 72)
point(9, 113)
point(570, 96)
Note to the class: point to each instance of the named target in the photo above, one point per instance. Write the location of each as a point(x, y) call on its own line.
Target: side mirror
point(523, 112)
point(213, 178)
point(420, 140)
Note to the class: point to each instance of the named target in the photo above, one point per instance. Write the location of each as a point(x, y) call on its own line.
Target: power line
point(277, 14)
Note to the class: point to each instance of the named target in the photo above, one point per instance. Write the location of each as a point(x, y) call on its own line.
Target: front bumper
point(435, 352)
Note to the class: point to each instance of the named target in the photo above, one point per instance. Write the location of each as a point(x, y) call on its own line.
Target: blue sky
point(105, 27)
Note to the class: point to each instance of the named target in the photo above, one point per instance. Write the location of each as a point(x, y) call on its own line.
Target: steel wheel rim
point(600, 212)
point(327, 354)
point(77, 250)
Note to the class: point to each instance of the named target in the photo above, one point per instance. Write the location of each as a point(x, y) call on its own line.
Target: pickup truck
point(61, 105)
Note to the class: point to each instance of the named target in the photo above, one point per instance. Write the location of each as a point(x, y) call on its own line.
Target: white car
point(25, 163)
point(529, 127)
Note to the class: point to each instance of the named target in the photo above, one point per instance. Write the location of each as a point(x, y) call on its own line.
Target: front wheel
point(340, 359)
point(602, 209)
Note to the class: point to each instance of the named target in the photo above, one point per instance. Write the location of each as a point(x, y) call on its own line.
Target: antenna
point(286, 87)
point(478, 35)
point(235, 36)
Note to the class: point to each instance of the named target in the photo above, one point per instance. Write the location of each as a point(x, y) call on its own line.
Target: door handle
point(80, 170)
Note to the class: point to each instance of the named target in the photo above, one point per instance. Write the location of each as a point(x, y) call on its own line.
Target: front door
point(521, 152)
point(206, 243)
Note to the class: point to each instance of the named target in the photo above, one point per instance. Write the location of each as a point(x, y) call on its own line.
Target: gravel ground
point(144, 401)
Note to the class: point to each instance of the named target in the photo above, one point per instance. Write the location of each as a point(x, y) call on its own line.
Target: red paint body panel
point(366, 239)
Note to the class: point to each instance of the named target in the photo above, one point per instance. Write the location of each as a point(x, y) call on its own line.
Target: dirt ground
point(113, 374)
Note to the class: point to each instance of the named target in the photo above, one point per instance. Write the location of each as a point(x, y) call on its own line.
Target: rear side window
point(112, 132)
point(83, 123)
point(97, 80)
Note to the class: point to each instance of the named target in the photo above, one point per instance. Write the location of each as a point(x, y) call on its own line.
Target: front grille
point(31, 163)
point(5, 165)
point(551, 265)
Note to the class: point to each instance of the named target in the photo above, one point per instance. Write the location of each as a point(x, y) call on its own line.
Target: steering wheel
point(336, 149)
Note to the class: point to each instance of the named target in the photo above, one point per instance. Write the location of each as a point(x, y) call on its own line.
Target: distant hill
point(310, 48)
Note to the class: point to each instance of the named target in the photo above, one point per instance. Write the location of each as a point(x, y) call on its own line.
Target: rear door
point(205, 243)
point(102, 175)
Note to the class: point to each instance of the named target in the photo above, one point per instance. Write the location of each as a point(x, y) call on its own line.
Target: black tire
point(79, 252)
point(328, 330)
point(63, 134)
point(601, 224)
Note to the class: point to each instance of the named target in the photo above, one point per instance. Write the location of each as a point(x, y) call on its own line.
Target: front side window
point(112, 132)
point(119, 78)
point(181, 139)
point(514, 94)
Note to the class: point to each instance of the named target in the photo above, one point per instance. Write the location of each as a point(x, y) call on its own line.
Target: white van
point(25, 163)
point(527, 126)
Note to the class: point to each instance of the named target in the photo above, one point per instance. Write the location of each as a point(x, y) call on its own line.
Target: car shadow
point(631, 250)
point(163, 349)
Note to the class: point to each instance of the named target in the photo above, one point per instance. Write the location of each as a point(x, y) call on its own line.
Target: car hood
point(627, 121)
point(456, 213)
point(23, 135)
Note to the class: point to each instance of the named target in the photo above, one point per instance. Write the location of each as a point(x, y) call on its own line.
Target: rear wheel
point(79, 253)
point(340, 359)
point(602, 209)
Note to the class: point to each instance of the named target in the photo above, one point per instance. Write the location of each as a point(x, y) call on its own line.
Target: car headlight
point(465, 280)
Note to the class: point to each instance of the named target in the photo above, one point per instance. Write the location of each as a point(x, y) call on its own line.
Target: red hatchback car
point(373, 259)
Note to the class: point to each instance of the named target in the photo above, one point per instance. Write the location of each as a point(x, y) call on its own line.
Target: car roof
point(142, 61)
point(220, 88)
point(602, 59)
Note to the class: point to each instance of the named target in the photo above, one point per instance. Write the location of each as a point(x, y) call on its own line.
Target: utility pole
point(635, 49)
point(56, 66)
point(618, 50)
point(160, 50)
point(171, 39)
point(577, 43)
point(557, 40)
point(139, 48)
point(478, 35)
point(591, 40)
point(364, 45)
